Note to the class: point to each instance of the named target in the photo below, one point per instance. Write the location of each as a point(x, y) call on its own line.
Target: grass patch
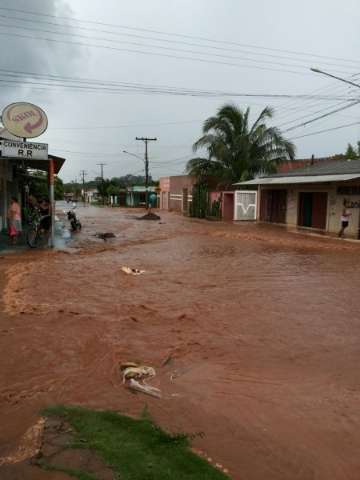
point(135, 449)
point(69, 471)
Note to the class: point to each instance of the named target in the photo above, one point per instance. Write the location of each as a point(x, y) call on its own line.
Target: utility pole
point(146, 140)
point(83, 173)
point(102, 165)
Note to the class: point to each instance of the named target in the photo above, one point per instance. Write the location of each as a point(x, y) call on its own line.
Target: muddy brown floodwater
point(260, 329)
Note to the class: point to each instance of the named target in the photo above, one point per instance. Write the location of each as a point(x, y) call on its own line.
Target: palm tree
point(237, 151)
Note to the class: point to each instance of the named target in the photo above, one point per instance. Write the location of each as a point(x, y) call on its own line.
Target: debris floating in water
point(149, 216)
point(132, 271)
point(105, 236)
point(144, 388)
point(134, 376)
point(139, 372)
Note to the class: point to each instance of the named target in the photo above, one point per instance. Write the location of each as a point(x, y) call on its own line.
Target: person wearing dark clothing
point(44, 208)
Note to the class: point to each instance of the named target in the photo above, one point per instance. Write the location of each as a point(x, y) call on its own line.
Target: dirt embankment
point(259, 326)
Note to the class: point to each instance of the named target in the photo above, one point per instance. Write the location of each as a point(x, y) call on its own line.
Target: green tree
point(59, 189)
point(38, 185)
point(237, 150)
point(74, 188)
point(113, 189)
point(351, 152)
point(102, 188)
point(39, 188)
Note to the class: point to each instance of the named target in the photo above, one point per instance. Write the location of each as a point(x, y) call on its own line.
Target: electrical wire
point(322, 110)
point(173, 34)
point(329, 86)
point(152, 53)
point(292, 106)
point(115, 87)
point(326, 130)
point(197, 45)
point(131, 125)
point(322, 116)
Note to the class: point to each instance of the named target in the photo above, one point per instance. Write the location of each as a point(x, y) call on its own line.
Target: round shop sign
point(24, 120)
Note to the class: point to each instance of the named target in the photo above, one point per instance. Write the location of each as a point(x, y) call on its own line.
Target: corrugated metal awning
point(42, 165)
point(300, 179)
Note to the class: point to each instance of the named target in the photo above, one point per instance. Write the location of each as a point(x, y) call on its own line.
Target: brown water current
point(259, 327)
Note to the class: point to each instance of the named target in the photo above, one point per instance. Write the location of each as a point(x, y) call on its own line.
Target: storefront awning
point(40, 164)
point(301, 179)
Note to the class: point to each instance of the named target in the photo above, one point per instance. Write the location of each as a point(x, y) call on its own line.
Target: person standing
point(14, 220)
point(345, 218)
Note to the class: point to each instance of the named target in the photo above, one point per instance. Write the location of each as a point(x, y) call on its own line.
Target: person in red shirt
point(14, 220)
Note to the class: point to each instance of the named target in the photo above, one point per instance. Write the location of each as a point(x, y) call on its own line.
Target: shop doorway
point(273, 206)
point(228, 206)
point(313, 210)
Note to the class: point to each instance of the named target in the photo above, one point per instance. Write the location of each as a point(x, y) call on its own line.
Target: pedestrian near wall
point(14, 220)
point(345, 218)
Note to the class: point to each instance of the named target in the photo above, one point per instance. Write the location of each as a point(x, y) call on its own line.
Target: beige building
point(311, 197)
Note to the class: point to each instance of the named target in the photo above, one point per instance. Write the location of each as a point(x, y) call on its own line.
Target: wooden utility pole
point(83, 174)
point(146, 140)
point(102, 165)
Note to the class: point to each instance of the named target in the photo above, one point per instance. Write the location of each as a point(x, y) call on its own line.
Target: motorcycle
point(74, 221)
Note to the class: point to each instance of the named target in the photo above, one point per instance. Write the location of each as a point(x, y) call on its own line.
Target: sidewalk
point(7, 247)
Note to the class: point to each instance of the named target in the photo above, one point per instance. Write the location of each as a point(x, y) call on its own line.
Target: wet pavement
point(253, 331)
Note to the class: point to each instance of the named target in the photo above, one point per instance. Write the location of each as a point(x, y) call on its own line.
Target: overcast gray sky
point(325, 32)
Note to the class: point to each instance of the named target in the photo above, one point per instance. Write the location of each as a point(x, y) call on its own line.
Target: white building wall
point(334, 207)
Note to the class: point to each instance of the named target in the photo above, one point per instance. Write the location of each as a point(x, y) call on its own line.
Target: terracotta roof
point(324, 168)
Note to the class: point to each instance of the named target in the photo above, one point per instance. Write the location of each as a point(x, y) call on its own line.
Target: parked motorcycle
point(74, 221)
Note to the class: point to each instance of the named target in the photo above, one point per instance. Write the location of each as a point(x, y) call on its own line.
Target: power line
point(164, 40)
point(322, 110)
point(326, 130)
point(290, 110)
point(142, 52)
point(322, 116)
point(161, 47)
point(131, 125)
point(104, 86)
point(333, 111)
point(173, 34)
point(309, 107)
point(97, 154)
point(326, 88)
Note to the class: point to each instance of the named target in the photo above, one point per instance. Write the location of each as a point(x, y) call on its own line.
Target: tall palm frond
point(237, 151)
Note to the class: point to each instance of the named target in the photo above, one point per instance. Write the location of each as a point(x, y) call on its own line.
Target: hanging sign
point(24, 120)
point(26, 150)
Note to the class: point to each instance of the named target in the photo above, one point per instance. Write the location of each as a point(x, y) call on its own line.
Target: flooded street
point(254, 333)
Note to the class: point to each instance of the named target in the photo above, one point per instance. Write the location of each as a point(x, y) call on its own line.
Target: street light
point(133, 155)
point(316, 70)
